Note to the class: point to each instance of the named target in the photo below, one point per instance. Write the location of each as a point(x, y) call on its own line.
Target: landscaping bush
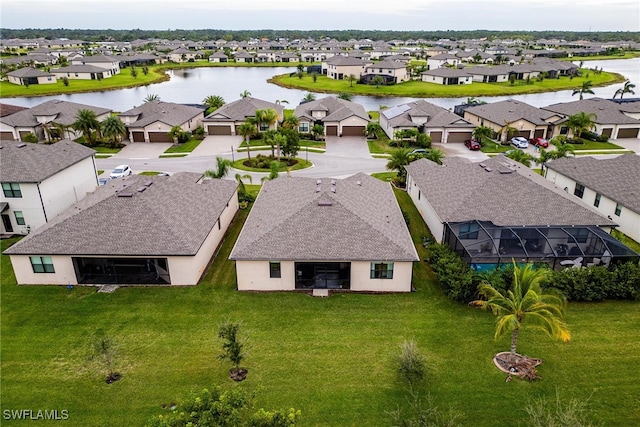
point(457, 279)
point(198, 132)
point(602, 138)
point(598, 283)
point(589, 136)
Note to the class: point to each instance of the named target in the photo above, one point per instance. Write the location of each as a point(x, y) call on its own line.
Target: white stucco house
point(138, 230)
point(151, 121)
point(325, 234)
point(40, 181)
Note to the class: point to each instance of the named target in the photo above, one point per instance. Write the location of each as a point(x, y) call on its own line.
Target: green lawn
point(187, 147)
point(423, 89)
point(332, 358)
point(595, 145)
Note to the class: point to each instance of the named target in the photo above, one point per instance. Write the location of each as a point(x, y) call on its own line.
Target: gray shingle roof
point(607, 112)
point(509, 111)
point(160, 111)
point(298, 219)
point(28, 72)
point(238, 111)
point(437, 116)
point(173, 216)
point(63, 112)
point(504, 192)
point(37, 162)
point(337, 109)
point(617, 178)
point(340, 61)
point(446, 72)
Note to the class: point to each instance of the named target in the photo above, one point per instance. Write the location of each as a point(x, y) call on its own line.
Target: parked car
point(420, 151)
point(472, 144)
point(103, 181)
point(121, 171)
point(540, 142)
point(519, 142)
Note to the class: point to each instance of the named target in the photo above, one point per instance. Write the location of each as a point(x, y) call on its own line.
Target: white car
point(519, 142)
point(121, 171)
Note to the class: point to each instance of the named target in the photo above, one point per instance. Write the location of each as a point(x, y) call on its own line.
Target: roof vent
point(141, 189)
point(318, 181)
point(488, 169)
point(505, 171)
point(333, 189)
point(318, 189)
point(21, 145)
point(147, 183)
point(325, 203)
point(333, 182)
point(482, 165)
point(357, 182)
point(124, 194)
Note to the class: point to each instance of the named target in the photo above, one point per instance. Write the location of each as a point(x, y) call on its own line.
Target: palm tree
point(242, 189)
point(525, 303)
point(279, 140)
point(400, 157)
point(290, 122)
point(86, 122)
point(580, 122)
point(113, 128)
point(628, 88)
point(309, 97)
point(345, 95)
point(245, 94)
point(482, 132)
point(520, 157)
point(373, 128)
point(152, 97)
point(213, 102)
point(435, 155)
point(351, 78)
point(247, 130)
point(317, 130)
point(377, 80)
point(585, 88)
point(222, 169)
point(274, 172)
point(268, 117)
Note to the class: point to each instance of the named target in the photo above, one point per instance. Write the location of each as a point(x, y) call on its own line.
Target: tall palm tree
point(345, 95)
point(268, 117)
point(242, 189)
point(520, 157)
point(245, 94)
point(585, 88)
point(247, 130)
point(213, 102)
point(86, 122)
point(400, 157)
point(113, 129)
point(222, 169)
point(351, 78)
point(373, 128)
point(627, 88)
point(525, 303)
point(152, 97)
point(482, 132)
point(309, 97)
point(279, 140)
point(290, 122)
point(580, 122)
point(435, 155)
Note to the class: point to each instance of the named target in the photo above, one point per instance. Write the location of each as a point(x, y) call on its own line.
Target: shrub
point(199, 132)
point(598, 283)
point(589, 136)
point(30, 137)
point(411, 364)
point(457, 279)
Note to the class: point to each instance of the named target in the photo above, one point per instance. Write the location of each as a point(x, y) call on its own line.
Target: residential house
point(218, 57)
point(152, 121)
point(338, 116)
point(447, 76)
point(512, 118)
point(138, 230)
point(226, 119)
point(609, 117)
point(391, 71)
point(40, 181)
point(30, 76)
point(50, 120)
point(341, 67)
point(107, 62)
point(243, 57)
point(495, 74)
point(182, 54)
point(439, 123)
point(82, 72)
point(325, 234)
point(609, 185)
point(442, 60)
point(499, 211)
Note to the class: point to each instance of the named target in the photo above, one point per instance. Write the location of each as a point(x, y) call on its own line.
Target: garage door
point(628, 133)
point(159, 137)
point(138, 136)
point(436, 136)
point(458, 136)
point(332, 130)
point(352, 130)
point(219, 130)
point(6, 136)
point(524, 133)
point(539, 133)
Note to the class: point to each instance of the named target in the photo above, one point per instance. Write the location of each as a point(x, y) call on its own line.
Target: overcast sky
point(577, 15)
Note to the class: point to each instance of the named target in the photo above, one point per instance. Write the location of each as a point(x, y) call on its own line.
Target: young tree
point(245, 94)
point(525, 304)
point(580, 122)
point(291, 122)
point(317, 130)
point(104, 349)
point(152, 97)
point(482, 132)
point(134, 72)
point(372, 129)
point(400, 157)
point(345, 95)
point(351, 78)
point(232, 348)
point(222, 169)
point(520, 157)
point(377, 80)
point(114, 129)
point(86, 122)
point(247, 130)
point(435, 155)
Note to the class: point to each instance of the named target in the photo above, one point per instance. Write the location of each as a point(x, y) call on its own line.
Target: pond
point(191, 86)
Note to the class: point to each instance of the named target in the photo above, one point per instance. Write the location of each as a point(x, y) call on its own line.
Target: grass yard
point(332, 358)
point(187, 147)
point(595, 145)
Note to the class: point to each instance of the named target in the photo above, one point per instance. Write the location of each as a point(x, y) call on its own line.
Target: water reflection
point(191, 86)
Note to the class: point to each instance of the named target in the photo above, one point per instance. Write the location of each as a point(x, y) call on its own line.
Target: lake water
point(191, 86)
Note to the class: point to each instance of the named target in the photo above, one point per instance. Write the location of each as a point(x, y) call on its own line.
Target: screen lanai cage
point(485, 246)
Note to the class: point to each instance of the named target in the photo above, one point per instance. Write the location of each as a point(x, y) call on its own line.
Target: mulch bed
point(521, 366)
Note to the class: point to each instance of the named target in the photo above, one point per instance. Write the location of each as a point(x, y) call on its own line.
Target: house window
point(19, 217)
point(304, 127)
point(11, 189)
point(382, 270)
point(468, 231)
point(42, 264)
point(264, 127)
point(618, 209)
point(274, 270)
point(579, 191)
point(596, 202)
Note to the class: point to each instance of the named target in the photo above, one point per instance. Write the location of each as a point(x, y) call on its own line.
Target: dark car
point(472, 144)
point(540, 142)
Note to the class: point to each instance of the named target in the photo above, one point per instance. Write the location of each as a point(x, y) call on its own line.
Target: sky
point(513, 15)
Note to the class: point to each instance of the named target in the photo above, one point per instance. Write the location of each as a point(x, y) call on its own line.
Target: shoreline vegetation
point(414, 88)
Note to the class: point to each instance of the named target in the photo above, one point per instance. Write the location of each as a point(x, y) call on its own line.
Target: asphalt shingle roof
point(503, 192)
point(160, 111)
point(24, 162)
point(617, 178)
point(337, 109)
point(299, 219)
point(437, 116)
point(606, 111)
point(509, 111)
point(238, 111)
point(172, 216)
point(63, 112)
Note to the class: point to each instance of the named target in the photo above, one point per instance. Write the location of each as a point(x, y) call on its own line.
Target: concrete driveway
point(454, 149)
point(215, 145)
point(142, 150)
point(347, 146)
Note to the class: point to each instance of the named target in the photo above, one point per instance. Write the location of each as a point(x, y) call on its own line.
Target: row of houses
point(307, 234)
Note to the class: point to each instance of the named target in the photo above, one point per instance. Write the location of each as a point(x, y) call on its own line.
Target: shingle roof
point(28, 72)
point(160, 111)
point(340, 60)
point(503, 192)
point(172, 216)
point(79, 69)
point(616, 178)
point(337, 109)
point(37, 162)
point(509, 111)
point(437, 116)
point(63, 112)
point(299, 219)
point(607, 112)
point(387, 63)
point(8, 109)
point(238, 111)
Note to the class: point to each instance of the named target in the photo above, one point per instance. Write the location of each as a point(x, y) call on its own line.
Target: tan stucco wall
point(425, 209)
